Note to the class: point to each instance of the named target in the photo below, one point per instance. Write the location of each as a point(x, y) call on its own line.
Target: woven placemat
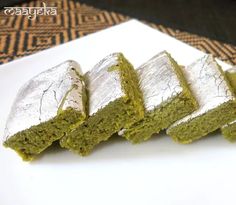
point(20, 36)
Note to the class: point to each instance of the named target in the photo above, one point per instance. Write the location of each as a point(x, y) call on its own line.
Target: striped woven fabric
point(20, 36)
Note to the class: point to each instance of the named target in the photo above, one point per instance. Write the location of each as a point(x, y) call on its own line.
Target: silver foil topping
point(41, 98)
point(158, 81)
point(103, 83)
point(208, 85)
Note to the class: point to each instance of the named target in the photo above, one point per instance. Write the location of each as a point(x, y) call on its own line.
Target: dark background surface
point(215, 19)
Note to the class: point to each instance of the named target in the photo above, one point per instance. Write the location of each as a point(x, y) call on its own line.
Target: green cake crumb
point(33, 141)
point(229, 130)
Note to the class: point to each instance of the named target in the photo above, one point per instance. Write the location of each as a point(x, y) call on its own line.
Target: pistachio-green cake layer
point(199, 127)
point(231, 76)
point(31, 142)
point(229, 130)
point(117, 114)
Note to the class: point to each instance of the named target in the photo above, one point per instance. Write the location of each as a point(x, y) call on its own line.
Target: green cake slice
point(115, 102)
point(46, 107)
point(166, 95)
point(229, 130)
point(217, 105)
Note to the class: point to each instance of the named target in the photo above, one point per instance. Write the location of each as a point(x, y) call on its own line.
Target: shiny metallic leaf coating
point(104, 85)
point(158, 81)
point(208, 85)
point(45, 95)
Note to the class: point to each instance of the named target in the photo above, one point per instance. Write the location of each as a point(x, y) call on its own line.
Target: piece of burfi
point(215, 97)
point(166, 96)
point(229, 130)
point(46, 107)
point(115, 102)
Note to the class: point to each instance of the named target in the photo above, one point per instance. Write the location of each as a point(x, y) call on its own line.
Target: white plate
point(156, 172)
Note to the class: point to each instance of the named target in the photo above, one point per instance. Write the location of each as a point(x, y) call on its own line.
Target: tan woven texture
point(21, 37)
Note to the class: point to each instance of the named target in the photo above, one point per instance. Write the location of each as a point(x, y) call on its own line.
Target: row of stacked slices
point(80, 111)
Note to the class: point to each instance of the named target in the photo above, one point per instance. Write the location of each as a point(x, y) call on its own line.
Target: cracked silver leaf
point(158, 81)
point(40, 99)
point(104, 86)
